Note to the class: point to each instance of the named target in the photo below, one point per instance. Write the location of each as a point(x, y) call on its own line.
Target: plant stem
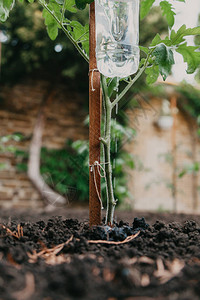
point(106, 140)
point(63, 11)
point(129, 85)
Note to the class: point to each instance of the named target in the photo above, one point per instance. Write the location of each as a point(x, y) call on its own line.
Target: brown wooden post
point(94, 127)
point(174, 163)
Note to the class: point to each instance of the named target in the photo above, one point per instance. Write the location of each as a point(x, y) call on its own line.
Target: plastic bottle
point(117, 37)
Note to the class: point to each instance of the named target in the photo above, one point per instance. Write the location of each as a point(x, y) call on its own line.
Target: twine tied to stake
point(99, 168)
point(92, 76)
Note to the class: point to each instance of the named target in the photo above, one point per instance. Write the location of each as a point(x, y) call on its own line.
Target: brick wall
point(19, 107)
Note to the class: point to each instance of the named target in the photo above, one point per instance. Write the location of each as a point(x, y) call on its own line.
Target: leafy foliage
point(54, 12)
point(5, 7)
point(163, 52)
point(28, 49)
point(6, 146)
point(166, 7)
point(63, 169)
point(160, 52)
point(15, 137)
point(66, 169)
point(191, 56)
point(152, 74)
point(162, 49)
point(145, 7)
point(189, 169)
point(167, 10)
point(164, 59)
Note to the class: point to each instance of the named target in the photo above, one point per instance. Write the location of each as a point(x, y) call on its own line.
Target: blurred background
point(44, 123)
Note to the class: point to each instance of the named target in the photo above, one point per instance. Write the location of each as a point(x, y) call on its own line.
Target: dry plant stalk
point(50, 255)
point(17, 234)
point(128, 239)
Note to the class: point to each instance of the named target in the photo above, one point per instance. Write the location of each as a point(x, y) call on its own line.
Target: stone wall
point(19, 108)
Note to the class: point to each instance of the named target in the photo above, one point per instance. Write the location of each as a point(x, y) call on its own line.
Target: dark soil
point(61, 258)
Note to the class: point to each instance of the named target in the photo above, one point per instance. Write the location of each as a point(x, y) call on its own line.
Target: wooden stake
point(94, 127)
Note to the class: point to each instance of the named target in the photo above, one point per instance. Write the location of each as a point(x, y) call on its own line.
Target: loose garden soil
point(154, 256)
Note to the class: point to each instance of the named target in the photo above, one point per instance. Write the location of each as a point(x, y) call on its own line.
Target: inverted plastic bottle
point(117, 37)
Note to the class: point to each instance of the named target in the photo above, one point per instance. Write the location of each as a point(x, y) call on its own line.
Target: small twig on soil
point(17, 234)
point(128, 239)
point(49, 254)
point(19, 231)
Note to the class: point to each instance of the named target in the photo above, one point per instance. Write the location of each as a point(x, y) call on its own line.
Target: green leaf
point(178, 37)
point(55, 8)
point(30, 1)
point(193, 31)
point(144, 49)
point(182, 173)
point(164, 59)
point(156, 40)
point(163, 54)
point(69, 5)
point(5, 8)
point(167, 10)
point(52, 30)
point(190, 56)
point(8, 3)
point(152, 74)
point(142, 62)
point(4, 13)
point(52, 26)
point(78, 30)
point(145, 7)
point(85, 44)
point(49, 19)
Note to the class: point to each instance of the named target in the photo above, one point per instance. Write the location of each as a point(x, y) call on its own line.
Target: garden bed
point(45, 257)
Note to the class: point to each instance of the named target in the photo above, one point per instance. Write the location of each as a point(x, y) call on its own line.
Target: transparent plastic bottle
point(117, 37)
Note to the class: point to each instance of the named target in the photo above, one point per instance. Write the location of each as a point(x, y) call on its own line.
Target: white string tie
point(92, 77)
point(99, 169)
